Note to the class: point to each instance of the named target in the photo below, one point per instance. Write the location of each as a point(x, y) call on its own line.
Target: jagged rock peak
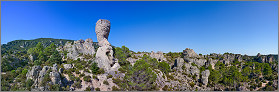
point(189, 53)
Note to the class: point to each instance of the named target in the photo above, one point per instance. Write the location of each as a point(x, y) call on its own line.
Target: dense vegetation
point(19, 56)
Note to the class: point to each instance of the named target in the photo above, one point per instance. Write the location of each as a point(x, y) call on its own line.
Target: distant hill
point(24, 45)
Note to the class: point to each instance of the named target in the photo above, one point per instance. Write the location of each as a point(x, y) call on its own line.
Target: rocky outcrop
point(195, 71)
point(204, 76)
point(33, 73)
point(159, 56)
point(54, 75)
point(189, 53)
point(179, 62)
point(104, 55)
point(78, 48)
point(102, 30)
point(68, 66)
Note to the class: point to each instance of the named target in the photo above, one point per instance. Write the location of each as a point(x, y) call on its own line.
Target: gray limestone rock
point(80, 47)
point(189, 53)
point(68, 66)
point(102, 30)
point(205, 74)
point(159, 56)
point(104, 55)
point(33, 73)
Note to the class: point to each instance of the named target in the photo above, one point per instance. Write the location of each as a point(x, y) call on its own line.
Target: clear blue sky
point(244, 27)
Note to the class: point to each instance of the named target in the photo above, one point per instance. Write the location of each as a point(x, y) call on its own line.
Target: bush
point(105, 82)
point(77, 85)
point(114, 88)
point(77, 72)
point(97, 89)
point(133, 79)
point(164, 67)
point(165, 88)
point(87, 78)
point(170, 76)
point(193, 64)
point(122, 54)
point(101, 71)
point(29, 83)
point(81, 75)
point(94, 68)
point(192, 84)
point(88, 89)
point(110, 76)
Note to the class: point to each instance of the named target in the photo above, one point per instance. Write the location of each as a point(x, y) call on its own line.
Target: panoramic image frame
point(139, 46)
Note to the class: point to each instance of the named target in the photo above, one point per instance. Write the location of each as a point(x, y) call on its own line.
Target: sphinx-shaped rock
point(104, 53)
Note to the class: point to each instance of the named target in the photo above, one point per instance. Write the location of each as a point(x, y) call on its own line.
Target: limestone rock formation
point(189, 53)
point(33, 73)
point(79, 47)
point(205, 74)
point(159, 56)
point(68, 66)
point(179, 62)
point(102, 30)
point(104, 53)
point(54, 75)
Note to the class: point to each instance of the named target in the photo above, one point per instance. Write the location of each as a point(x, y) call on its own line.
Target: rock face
point(179, 62)
point(102, 30)
point(54, 75)
point(104, 53)
point(159, 56)
point(33, 73)
point(189, 53)
point(68, 66)
point(205, 74)
point(80, 47)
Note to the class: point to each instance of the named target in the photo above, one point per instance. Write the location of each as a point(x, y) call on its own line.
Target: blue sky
point(242, 27)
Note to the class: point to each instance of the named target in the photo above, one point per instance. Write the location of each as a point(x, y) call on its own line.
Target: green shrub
point(77, 72)
point(101, 71)
point(105, 82)
point(97, 89)
point(110, 76)
point(170, 77)
point(164, 67)
point(94, 68)
point(114, 88)
point(87, 78)
point(193, 64)
point(192, 84)
point(81, 75)
point(88, 89)
point(77, 85)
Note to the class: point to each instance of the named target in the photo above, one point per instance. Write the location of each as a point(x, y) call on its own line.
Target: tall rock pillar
point(104, 55)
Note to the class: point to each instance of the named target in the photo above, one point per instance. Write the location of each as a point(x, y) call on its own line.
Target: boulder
point(159, 56)
point(179, 62)
point(205, 74)
point(68, 66)
point(55, 77)
point(33, 73)
point(189, 53)
point(194, 70)
point(43, 73)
